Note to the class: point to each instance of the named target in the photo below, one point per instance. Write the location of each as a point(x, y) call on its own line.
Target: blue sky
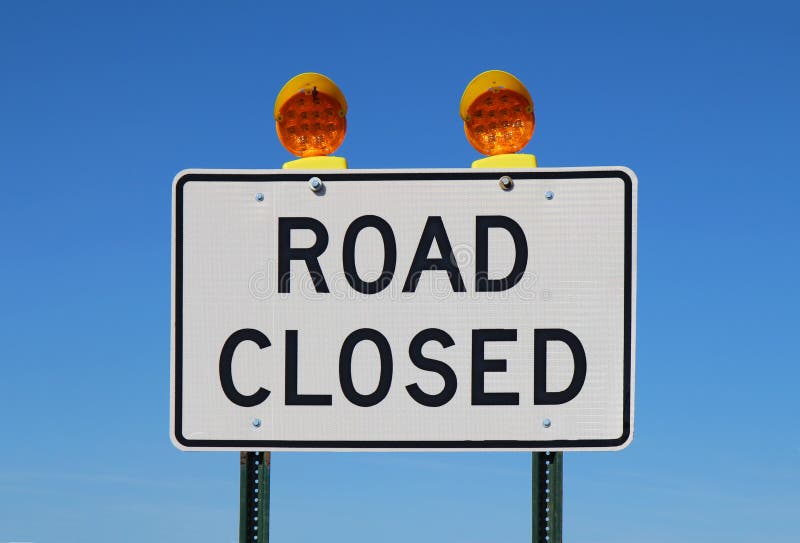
point(102, 103)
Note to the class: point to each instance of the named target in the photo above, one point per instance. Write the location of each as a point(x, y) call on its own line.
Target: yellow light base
point(511, 160)
point(317, 163)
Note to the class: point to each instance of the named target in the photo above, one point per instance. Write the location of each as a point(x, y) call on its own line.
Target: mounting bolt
point(549, 195)
point(256, 423)
point(315, 184)
point(546, 423)
point(259, 197)
point(506, 183)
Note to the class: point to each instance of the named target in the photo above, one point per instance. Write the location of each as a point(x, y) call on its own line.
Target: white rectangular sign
point(404, 309)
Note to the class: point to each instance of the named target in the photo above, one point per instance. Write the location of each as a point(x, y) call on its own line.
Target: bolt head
point(549, 195)
point(256, 423)
point(506, 183)
point(315, 183)
point(259, 197)
point(547, 423)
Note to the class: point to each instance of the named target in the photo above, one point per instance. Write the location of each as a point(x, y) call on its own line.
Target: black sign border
point(399, 175)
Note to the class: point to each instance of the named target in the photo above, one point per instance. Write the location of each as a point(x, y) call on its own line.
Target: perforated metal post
point(548, 477)
point(254, 497)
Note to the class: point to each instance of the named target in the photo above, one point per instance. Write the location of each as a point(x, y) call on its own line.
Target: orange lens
point(499, 121)
point(311, 124)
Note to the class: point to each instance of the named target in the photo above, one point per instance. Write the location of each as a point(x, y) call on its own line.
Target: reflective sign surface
point(404, 309)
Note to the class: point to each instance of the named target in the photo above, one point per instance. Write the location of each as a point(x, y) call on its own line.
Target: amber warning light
point(497, 111)
point(310, 115)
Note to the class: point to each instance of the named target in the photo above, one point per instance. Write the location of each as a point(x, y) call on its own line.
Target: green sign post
point(254, 497)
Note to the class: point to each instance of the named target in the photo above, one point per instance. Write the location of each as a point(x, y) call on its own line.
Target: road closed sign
point(403, 309)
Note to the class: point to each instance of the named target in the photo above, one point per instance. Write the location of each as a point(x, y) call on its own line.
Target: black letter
point(349, 254)
point(434, 230)
point(480, 366)
point(286, 253)
point(292, 397)
point(482, 281)
point(226, 363)
point(429, 364)
point(346, 367)
point(540, 394)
